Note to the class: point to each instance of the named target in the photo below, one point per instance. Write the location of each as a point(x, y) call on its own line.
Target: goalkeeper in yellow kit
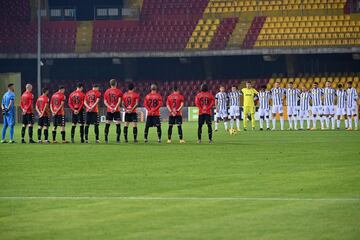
point(249, 94)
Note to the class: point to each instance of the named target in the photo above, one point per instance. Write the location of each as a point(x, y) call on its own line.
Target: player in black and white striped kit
point(277, 95)
point(351, 101)
point(341, 106)
point(304, 112)
point(292, 97)
point(234, 111)
point(329, 105)
point(221, 104)
point(264, 107)
point(317, 106)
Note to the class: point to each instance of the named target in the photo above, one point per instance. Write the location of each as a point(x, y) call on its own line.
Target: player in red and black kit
point(130, 103)
point(112, 101)
point(205, 101)
point(174, 104)
point(152, 103)
point(57, 104)
point(27, 111)
point(92, 99)
point(76, 103)
point(43, 110)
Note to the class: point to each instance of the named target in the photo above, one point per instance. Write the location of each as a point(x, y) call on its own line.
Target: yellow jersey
point(249, 96)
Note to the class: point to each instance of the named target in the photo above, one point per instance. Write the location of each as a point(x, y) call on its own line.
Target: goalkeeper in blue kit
point(8, 110)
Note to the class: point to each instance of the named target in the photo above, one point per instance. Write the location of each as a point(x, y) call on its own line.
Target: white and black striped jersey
point(277, 95)
point(329, 96)
point(305, 101)
point(292, 96)
point(316, 94)
point(234, 98)
point(222, 99)
point(264, 99)
point(352, 97)
point(341, 98)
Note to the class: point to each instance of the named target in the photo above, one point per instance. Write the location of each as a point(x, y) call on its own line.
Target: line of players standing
point(314, 104)
point(83, 104)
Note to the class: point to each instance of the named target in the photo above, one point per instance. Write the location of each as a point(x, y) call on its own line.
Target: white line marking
point(149, 198)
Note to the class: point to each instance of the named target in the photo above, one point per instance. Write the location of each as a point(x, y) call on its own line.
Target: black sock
point(46, 134)
point(30, 133)
point(73, 132)
point(63, 135)
point(82, 132)
point(159, 132)
point(39, 134)
point(23, 133)
point(96, 130)
point(146, 132)
point(210, 131)
point(118, 132)
point(86, 133)
point(54, 135)
point(180, 132)
point(170, 132)
point(135, 132)
point(126, 133)
point(199, 132)
point(106, 131)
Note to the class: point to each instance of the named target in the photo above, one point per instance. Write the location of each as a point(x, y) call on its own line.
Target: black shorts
point(79, 118)
point(59, 120)
point(204, 118)
point(28, 118)
point(131, 117)
point(153, 121)
point(113, 116)
point(175, 120)
point(44, 121)
point(92, 118)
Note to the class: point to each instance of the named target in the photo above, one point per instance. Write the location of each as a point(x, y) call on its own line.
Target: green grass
point(297, 165)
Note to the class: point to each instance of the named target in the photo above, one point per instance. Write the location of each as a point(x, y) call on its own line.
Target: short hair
point(234, 86)
point(44, 90)
point(339, 85)
point(61, 87)
point(350, 83)
point(153, 87)
point(263, 87)
point(10, 85)
point(80, 85)
point(316, 83)
point(204, 87)
point(131, 86)
point(95, 85)
point(222, 86)
point(290, 82)
point(112, 82)
point(175, 88)
point(248, 81)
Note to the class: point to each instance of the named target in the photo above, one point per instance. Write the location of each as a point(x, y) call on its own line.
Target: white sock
point(231, 123)
point(238, 123)
point(338, 123)
point(350, 122)
point(267, 122)
point(322, 122)
point(290, 121)
point(327, 122)
point(308, 122)
point(274, 122)
point(333, 122)
point(226, 126)
point(346, 123)
point(216, 125)
point(282, 123)
point(295, 122)
point(261, 122)
point(356, 120)
point(302, 123)
point(314, 122)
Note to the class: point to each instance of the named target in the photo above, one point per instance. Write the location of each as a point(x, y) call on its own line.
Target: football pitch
point(253, 185)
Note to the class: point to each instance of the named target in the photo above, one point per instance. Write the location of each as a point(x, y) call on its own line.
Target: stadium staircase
point(84, 36)
point(238, 36)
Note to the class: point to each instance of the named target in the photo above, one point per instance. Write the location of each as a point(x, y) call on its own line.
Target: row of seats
point(16, 10)
point(307, 43)
point(235, 3)
point(308, 18)
point(326, 23)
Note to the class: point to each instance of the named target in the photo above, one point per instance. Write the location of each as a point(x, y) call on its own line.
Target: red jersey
point(90, 99)
point(76, 100)
point(43, 103)
point(112, 96)
point(27, 102)
point(205, 101)
point(174, 102)
point(129, 100)
point(56, 101)
point(152, 103)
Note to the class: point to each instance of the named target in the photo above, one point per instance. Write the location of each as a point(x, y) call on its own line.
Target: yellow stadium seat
point(201, 22)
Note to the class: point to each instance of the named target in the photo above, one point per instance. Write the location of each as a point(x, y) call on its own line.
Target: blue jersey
point(5, 102)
